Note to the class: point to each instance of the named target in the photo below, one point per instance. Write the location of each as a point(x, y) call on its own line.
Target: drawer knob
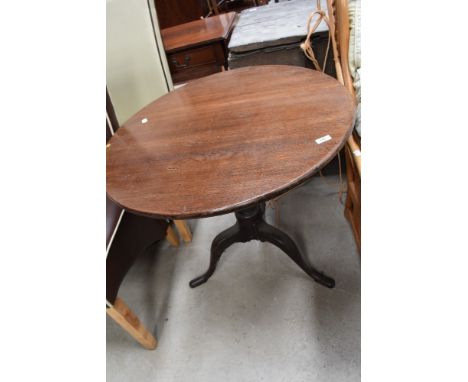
point(177, 65)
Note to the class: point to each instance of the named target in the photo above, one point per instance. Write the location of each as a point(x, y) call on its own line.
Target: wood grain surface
point(227, 141)
point(198, 32)
point(130, 322)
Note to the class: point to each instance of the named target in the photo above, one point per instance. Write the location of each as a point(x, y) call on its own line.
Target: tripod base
point(251, 225)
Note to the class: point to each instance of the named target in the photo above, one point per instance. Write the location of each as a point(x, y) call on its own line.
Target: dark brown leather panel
point(113, 212)
point(108, 132)
point(111, 114)
point(134, 235)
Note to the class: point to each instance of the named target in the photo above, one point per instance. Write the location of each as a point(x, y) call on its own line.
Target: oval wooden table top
point(227, 141)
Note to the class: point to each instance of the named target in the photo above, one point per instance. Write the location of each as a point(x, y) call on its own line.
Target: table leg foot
point(198, 281)
point(220, 243)
point(280, 239)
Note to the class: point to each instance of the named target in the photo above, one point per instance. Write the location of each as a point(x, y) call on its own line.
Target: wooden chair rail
point(129, 321)
point(339, 31)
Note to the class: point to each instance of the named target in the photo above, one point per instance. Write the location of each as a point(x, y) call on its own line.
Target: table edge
point(263, 198)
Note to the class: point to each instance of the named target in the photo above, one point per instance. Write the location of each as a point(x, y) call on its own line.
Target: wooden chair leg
point(171, 236)
point(184, 230)
point(129, 322)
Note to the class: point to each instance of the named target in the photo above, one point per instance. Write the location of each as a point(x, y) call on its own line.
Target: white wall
point(135, 70)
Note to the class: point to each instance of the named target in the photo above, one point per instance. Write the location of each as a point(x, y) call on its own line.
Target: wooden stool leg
point(171, 236)
point(129, 322)
point(184, 230)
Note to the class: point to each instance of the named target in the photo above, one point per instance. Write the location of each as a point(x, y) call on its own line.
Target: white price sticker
point(323, 139)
